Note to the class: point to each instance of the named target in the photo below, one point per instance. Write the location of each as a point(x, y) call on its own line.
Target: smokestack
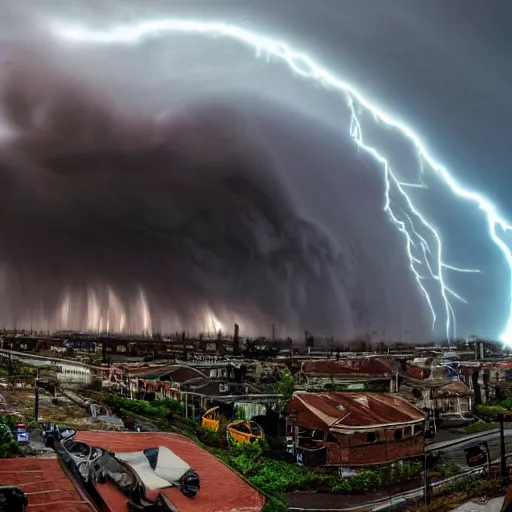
point(236, 340)
point(479, 349)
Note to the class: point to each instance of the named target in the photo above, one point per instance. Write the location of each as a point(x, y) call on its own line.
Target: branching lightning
point(419, 251)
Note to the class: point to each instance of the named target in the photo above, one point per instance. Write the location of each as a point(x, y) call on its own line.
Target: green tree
point(285, 386)
point(8, 445)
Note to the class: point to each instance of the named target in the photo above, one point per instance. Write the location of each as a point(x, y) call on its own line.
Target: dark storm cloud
point(175, 207)
point(441, 67)
point(109, 217)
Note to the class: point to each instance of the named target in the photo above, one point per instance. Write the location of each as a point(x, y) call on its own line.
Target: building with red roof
point(353, 429)
point(45, 484)
point(48, 484)
point(361, 373)
point(222, 490)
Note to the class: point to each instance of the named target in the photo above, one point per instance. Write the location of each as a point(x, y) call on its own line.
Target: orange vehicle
point(245, 431)
point(211, 419)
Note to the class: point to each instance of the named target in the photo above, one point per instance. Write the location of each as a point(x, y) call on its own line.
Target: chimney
point(236, 340)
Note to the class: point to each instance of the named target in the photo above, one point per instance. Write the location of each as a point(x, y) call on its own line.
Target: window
point(242, 428)
point(317, 435)
point(255, 428)
point(398, 434)
point(371, 437)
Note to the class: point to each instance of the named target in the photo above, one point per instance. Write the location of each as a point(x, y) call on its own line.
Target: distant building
point(349, 374)
point(436, 387)
point(483, 377)
point(198, 388)
point(352, 430)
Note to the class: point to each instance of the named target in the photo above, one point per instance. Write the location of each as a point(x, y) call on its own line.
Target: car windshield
point(255, 429)
point(242, 428)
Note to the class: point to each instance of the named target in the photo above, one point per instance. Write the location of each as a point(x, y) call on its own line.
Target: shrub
point(274, 477)
point(474, 428)
point(8, 446)
point(158, 409)
point(274, 505)
point(239, 413)
point(490, 411)
point(278, 478)
point(285, 386)
point(447, 468)
point(371, 479)
point(209, 437)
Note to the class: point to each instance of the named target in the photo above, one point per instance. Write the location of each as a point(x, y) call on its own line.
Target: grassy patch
point(480, 427)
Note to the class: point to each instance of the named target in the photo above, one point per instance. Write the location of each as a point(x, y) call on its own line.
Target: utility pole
point(36, 396)
point(425, 478)
point(503, 458)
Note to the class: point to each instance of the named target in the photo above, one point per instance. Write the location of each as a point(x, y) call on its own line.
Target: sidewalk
point(309, 501)
point(493, 505)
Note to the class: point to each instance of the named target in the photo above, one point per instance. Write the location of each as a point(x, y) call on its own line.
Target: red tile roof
point(352, 366)
point(345, 410)
point(45, 484)
point(455, 388)
point(222, 490)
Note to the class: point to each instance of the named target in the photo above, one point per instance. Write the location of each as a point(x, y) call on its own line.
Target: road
point(454, 450)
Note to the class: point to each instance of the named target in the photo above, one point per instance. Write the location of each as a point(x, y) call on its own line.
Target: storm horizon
point(193, 195)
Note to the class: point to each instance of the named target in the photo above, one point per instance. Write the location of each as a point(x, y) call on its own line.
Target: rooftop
point(363, 365)
point(345, 410)
point(175, 373)
point(45, 485)
point(455, 388)
point(222, 490)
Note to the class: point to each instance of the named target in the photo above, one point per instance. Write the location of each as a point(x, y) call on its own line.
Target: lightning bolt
point(406, 222)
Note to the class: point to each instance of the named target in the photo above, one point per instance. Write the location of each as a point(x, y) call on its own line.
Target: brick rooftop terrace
point(222, 490)
point(45, 484)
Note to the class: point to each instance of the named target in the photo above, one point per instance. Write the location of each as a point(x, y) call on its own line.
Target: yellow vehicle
point(211, 419)
point(245, 431)
point(242, 431)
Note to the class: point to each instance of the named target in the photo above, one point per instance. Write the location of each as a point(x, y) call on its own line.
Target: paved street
point(454, 450)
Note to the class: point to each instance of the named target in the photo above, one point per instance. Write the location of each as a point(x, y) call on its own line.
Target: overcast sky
point(443, 67)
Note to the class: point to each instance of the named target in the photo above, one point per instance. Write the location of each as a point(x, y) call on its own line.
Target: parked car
point(455, 420)
point(245, 431)
point(211, 419)
point(476, 455)
point(20, 433)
